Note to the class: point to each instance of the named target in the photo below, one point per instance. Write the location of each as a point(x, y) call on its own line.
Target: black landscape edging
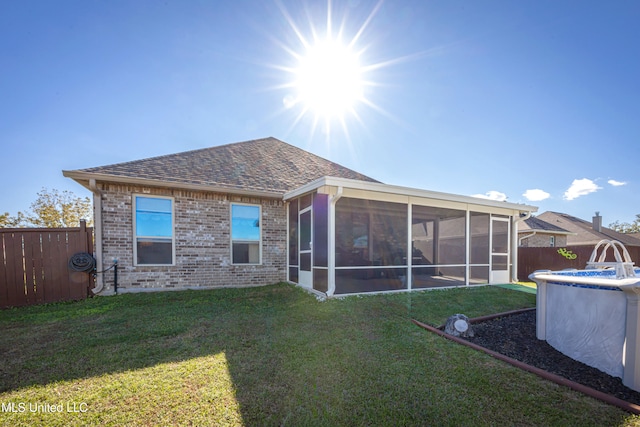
point(596, 394)
point(495, 316)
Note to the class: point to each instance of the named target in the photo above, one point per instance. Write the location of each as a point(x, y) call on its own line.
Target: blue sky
point(535, 101)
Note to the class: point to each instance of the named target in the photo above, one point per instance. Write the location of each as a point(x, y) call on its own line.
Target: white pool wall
point(592, 317)
point(588, 325)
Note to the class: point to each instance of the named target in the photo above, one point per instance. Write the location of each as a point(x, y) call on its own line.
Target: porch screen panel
point(320, 230)
point(370, 233)
point(293, 274)
point(293, 241)
point(422, 239)
point(452, 239)
point(320, 279)
point(353, 246)
point(293, 233)
point(305, 201)
point(305, 261)
point(305, 231)
point(371, 236)
point(358, 280)
point(479, 238)
point(438, 239)
point(478, 275)
point(438, 277)
point(500, 237)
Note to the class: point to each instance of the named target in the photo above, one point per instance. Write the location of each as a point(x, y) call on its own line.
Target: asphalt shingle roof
point(535, 223)
point(267, 164)
point(584, 232)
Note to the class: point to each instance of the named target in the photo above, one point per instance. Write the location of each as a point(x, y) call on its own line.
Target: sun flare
point(329, 75)
point(329, 79)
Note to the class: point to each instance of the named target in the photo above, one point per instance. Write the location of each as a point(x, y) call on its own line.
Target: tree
point(7, 221)
point(53, 209)
point(625, 227)
point(4, 220)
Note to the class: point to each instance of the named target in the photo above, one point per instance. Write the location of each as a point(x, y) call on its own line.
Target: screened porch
point(350, 237)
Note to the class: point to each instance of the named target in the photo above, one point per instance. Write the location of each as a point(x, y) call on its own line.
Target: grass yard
point(271, 356)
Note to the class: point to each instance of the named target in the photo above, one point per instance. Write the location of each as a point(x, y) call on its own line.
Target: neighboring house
point(534, 232)
point(263, 211)
point(585, 232)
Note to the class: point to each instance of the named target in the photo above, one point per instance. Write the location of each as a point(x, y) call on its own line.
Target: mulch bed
point(515, 336)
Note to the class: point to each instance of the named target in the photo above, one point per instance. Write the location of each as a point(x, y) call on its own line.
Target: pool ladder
point(623, 267)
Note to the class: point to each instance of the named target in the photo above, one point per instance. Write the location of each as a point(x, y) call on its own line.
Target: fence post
point(83, 234)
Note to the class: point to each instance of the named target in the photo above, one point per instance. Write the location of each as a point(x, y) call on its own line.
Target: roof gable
point(264, 165)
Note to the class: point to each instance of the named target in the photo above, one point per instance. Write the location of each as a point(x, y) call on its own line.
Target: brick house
point(536, 233)
point(263, 211)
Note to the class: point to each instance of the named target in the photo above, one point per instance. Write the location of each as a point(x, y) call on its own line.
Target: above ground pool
point(592, 315)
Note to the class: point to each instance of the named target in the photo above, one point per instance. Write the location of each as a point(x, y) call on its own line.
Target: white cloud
point(536, 195)
point(580, 187)
point(616, 183)
point(492, 195)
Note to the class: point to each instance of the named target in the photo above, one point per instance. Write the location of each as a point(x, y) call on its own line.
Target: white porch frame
point(337, 188)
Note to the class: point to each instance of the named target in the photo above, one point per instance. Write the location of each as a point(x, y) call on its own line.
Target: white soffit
point(406, 194)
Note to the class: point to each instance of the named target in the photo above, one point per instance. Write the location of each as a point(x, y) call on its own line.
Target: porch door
point(499, 250)
point(305, 277)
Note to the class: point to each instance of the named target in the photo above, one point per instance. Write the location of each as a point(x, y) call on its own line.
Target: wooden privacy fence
point(532, 259)
point(34, 265)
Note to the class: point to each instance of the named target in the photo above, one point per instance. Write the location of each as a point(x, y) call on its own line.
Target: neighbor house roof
point(536, 224)
point(265, 167)
point(583, 232)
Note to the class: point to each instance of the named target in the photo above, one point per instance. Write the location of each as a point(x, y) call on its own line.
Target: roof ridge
point(258, 164)
point(195, 150)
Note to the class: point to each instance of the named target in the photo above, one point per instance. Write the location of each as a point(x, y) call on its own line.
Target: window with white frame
point(245, 234)
point(552, 241)
point(153, 230)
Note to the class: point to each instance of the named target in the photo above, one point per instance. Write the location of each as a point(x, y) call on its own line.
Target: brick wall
point(202, 241)
point(543, 241)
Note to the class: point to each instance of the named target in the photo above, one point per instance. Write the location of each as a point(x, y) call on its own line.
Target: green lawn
point(271, 356)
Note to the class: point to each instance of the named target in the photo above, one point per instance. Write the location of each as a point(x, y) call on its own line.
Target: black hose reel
point(83, 262)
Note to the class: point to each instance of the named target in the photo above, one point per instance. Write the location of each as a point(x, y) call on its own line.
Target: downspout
point(97, 231)
point(331, 285)
point(520, 239)
point(514, 245)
